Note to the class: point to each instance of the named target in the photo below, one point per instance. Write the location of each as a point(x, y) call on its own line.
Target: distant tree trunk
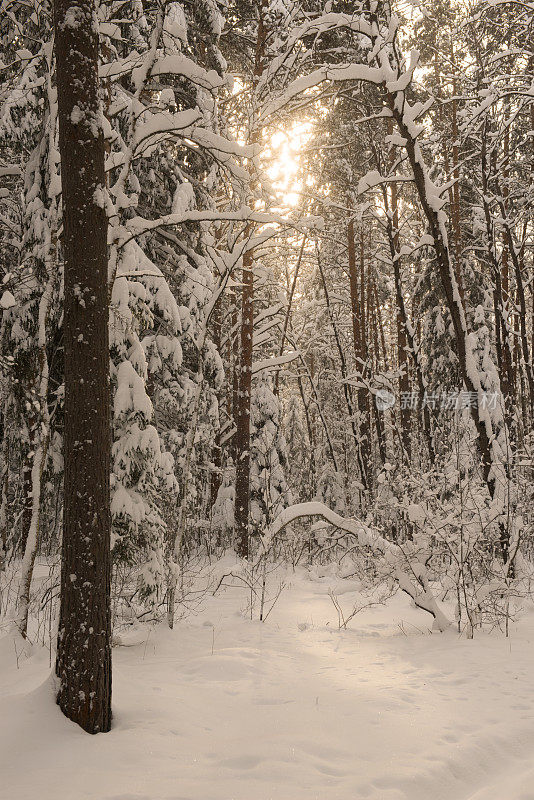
point(4, 486)
point(503, 346)
point(404, 324)
point(41, 435)
point(242, 436)
point(379, 322)
point(413, 349)
point(216, 453)
point(233, 359)
point(370, 344)
point(83, 663)
point(344, 374)
point(521, 338)
point(242, 418)
point(318, 407)
point(369, 301)
point(358, 321)
point(402, 342)
point(288, 312)
point(493, 469)
point(455, 205)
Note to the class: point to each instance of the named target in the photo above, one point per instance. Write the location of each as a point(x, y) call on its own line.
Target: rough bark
point(83, 665)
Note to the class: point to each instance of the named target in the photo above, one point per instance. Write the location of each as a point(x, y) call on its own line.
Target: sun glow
point(283, 168)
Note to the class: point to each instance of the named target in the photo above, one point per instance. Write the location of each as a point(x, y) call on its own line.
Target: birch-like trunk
point(42, 437)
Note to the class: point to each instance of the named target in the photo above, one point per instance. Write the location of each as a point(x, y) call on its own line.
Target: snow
point(272, 363)
point(178, 64)
point(110, 29)
point(76, 115)
point(403, 563)
point(130, 393)
point(73, 18)
point(175, 22)
point(7, 300)
point(225, 708)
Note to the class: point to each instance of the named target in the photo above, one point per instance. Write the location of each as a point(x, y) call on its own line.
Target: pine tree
point(83, 662)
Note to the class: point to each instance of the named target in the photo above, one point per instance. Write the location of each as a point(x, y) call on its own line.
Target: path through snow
point(224, 708)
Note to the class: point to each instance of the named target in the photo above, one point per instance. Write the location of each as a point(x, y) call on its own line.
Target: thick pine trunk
point(83, 662)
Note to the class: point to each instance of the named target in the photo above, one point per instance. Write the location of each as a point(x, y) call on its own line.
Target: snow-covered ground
point(225, 708)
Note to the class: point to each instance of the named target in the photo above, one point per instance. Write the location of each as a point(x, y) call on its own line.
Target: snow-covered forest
point(267, 399)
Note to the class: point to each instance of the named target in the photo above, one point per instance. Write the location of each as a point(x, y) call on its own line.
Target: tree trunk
point(344, 375)
point(41, 442)
point(242, 418)
point(83, 663)
point(402, 342)
point(233, 359)
point(503, 345)
point(288, 312)
point(413, 348)
point(364, 432)
point(242, 435)
point(4, 487)
point(216, 453)
point(455, 206)
point(372, 346)
point(494, 460)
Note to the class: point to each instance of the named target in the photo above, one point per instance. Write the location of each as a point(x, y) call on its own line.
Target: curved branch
point(409, 573)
